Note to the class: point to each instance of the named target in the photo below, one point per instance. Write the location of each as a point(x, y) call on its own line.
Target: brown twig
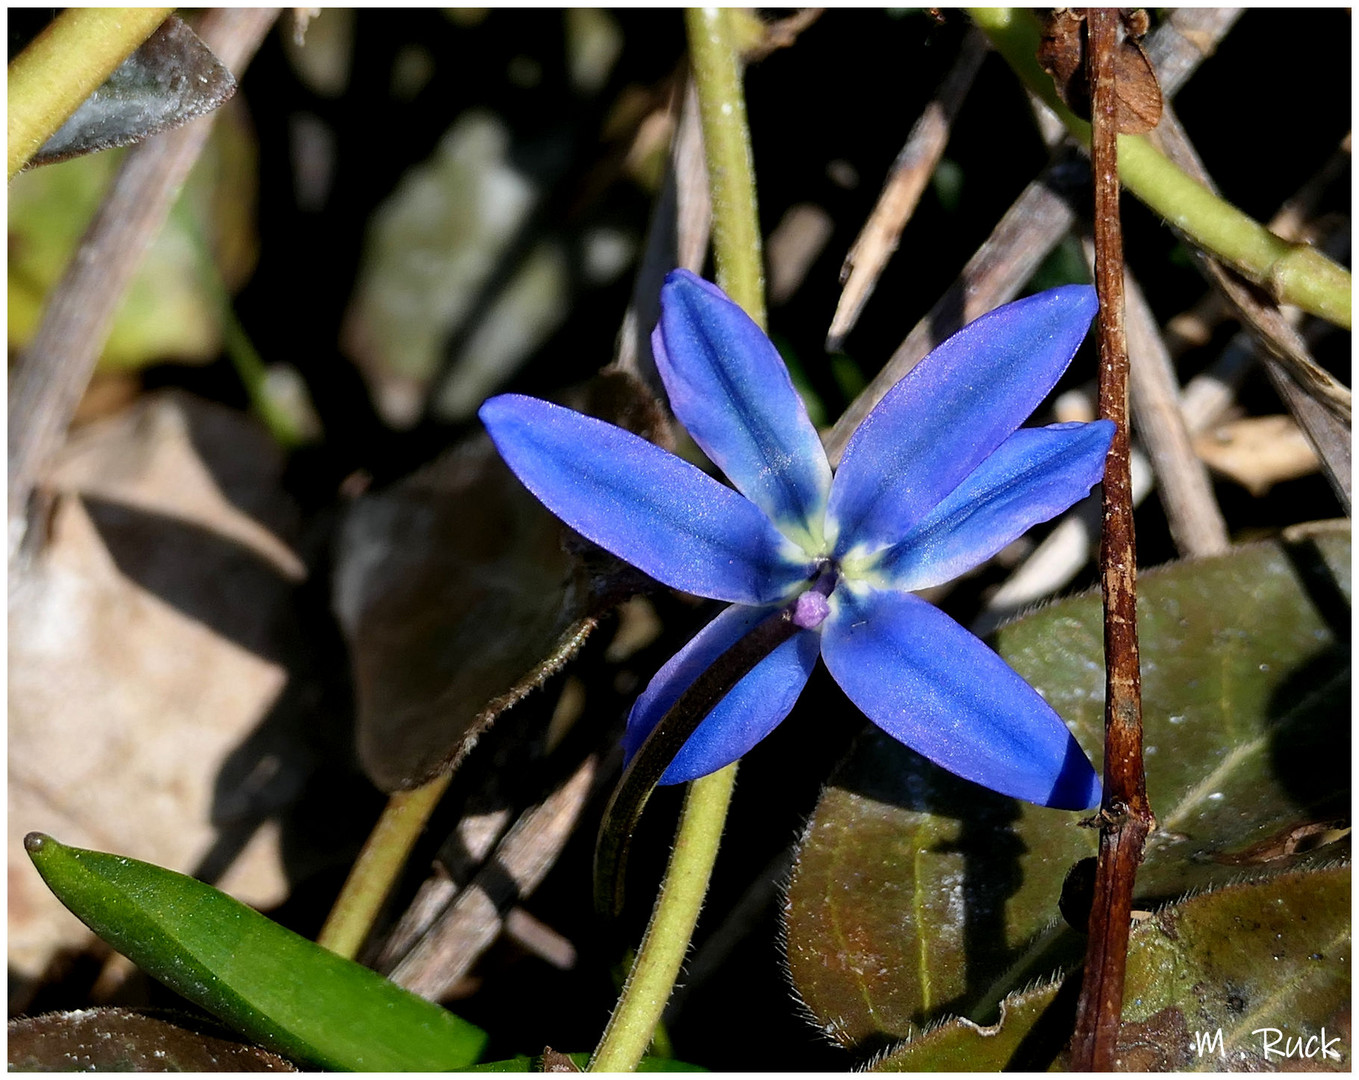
point(677, 236)
point(1031, 228)
point(54, 370)
point(1195, 520)
point(1319, 403)
point(1125, 814)
point(905, 183)
point(474, 920)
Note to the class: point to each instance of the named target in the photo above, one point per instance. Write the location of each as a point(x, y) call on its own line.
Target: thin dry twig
point(677, 236)
point(1025, 235)
point(54, 370)
point(519, 863)
point(1125, 814)
point(1204, 400)
point(1032, 227)
point(905, 184)
point(1319, 403)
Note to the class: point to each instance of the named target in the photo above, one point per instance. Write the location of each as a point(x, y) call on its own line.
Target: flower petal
point(949, 412)
point(730, 389)
point(752, 709)
point(1032, 476)
point(645, 505)
point(930, 684)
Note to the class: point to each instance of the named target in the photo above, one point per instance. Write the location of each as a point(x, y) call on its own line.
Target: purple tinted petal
point(950, 411)
point(1033, 475)
point(730, 389)
point(752, 709)
point(643, 504)
point(930, 684)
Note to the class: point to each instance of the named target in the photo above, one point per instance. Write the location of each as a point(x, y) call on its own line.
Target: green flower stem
point(382, 857)
point(653, 974)
point(1293, 273)
point(64, 65)
point(726, 140)
point(737, 251)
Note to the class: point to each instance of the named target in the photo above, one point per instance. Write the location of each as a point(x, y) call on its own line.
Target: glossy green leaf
point(917, 895)
point(1264, 963)
point(273, 986)
point(124, 1040)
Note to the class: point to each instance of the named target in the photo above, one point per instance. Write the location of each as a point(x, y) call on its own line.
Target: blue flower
point(935, 480)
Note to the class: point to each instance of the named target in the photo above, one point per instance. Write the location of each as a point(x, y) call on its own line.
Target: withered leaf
point(1062, 54)
point(171, 79)
point(459, 593)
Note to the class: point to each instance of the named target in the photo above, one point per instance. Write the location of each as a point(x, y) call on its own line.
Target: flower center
point(812, 606)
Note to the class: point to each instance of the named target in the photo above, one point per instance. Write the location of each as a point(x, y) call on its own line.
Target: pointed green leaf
point(272, 985)
point(917, 895)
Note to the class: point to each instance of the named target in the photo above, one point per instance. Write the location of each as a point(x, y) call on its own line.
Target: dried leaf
point(147, 641)
point(1062, 55)
point(171, 79)
point(1258, 451)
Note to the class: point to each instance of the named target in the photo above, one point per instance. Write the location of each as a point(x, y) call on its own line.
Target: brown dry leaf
point(1258, 451)
point(147, 640)
point(1062, 55)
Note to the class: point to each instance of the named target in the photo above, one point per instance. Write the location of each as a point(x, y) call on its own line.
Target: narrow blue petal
point(1032, 476)
point(645, 505)
point(930, 684)
point(730, 389)
point(752, 709)
point(949, 412)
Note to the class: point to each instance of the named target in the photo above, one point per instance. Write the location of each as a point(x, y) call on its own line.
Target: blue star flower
point(937, 479)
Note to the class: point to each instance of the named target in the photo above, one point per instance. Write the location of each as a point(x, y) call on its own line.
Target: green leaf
point(962, 1046)
point(274, 986)
point(917, 895)
point(1263, 963)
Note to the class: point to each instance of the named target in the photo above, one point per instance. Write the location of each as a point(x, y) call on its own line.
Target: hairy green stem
point(653, 974)
point(726, 142)
point(64, 65)
point(378, 864)
point(737, 252)
point(1292, 273)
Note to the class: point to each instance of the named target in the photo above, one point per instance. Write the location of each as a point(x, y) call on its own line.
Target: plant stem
point(383, 855)
point(652, 978)
point(1293, 273)
point(1125, 814)
point(737, 249)
point(64, 65)
point(737, 252)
